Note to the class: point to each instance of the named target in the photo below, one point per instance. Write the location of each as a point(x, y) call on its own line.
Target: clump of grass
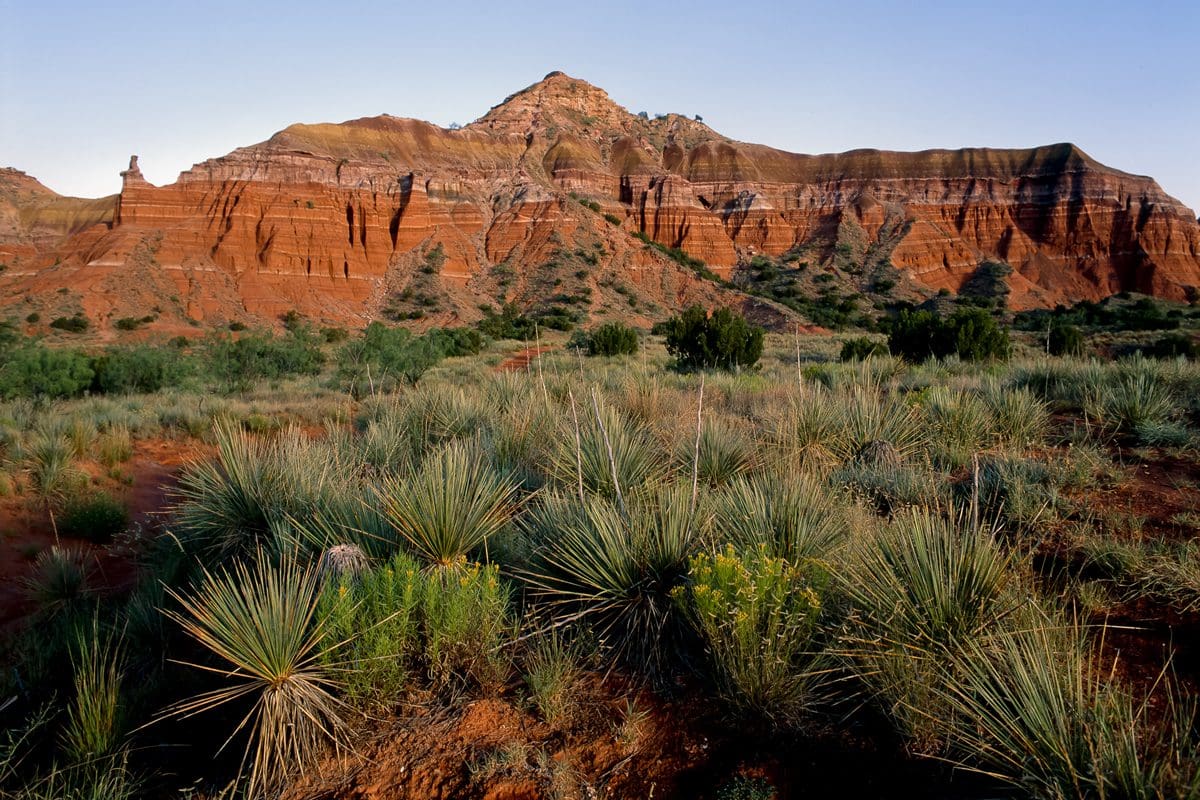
point(114, 446)
point(1167, 574)
point(260, 623)
point(552, 673)
point(757, 614)
point(93, 729)
point(96, 517)
point(450, 507)
point(1018, 490)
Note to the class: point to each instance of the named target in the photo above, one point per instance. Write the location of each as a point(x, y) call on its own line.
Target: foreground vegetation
point(808, 542)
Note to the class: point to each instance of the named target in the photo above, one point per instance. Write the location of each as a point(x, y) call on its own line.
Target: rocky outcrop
point(344, 221)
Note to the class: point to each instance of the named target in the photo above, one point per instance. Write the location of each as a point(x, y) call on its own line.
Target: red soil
point(28, 527)
point(522, 360)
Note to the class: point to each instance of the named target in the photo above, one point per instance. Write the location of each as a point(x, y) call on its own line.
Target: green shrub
point(137, 369)
point(95, 517)
point(510, 323)
point(757, 615)
point(238, 363)
point(467, 623)
point(612, 339)
point(970, 333)
point(373, 629)
point(723, 340)
point(1172, 346)
point(73, 324)
point(1065, 340)
point(37, 371)
point(862, 348)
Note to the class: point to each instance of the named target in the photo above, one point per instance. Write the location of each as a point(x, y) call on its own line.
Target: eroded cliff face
point(344, 221)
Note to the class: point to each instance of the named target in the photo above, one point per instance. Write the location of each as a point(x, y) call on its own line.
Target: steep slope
point(400, 217)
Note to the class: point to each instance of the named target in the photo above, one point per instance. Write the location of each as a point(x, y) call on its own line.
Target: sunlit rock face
point(331, 219)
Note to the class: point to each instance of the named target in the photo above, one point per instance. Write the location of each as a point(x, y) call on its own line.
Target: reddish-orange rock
point(334, 220)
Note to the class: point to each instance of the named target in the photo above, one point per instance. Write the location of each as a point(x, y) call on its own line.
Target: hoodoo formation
point(338, 221)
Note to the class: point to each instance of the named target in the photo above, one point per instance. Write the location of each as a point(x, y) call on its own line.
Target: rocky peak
point(557, 102)
point(133, 175)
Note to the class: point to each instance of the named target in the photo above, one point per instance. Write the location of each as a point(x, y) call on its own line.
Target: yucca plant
point(260, 623)
point(803, 433)
point(61, 581)
point(245, 499)
point(1021, 418)
point(450, 507)
point(1135, 399)
point(869, 415)
point(961, 425)
point(608, 447)
point(919, 588)
point(52, 469)
point(615, 570)
point(722, 453)
point(1032, 706)
point(758, 615)
point(792, 518)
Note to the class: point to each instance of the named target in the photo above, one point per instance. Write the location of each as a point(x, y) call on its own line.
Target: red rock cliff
point(341, 220)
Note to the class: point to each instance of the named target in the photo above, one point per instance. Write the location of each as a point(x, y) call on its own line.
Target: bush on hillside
point(1065, 340)
point(862, 348)
point(970, 333)
point(1172, 345)
point(137, 369)
point(610, 339)
point(724, 340)
point(77, 323)
point(37, 371)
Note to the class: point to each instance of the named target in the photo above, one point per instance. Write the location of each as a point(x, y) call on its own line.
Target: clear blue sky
point(84, 84)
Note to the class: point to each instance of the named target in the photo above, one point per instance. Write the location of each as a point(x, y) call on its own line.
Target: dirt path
point(522, 360)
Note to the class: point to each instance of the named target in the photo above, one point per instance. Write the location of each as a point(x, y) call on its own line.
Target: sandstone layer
point(344, 221)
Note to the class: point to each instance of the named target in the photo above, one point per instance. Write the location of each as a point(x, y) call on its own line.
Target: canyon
point(552, 198)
